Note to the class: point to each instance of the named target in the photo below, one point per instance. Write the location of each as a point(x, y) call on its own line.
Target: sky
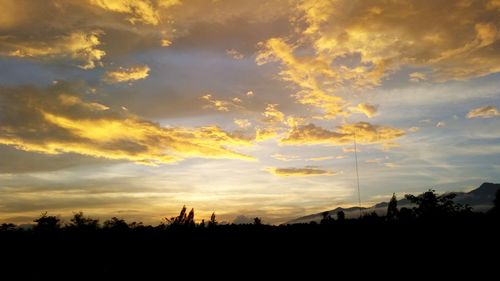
point(134, 108)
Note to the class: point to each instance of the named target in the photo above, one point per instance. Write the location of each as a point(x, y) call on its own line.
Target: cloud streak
point(130, 74)
point(299, 172)
point(483, 112)
point(366, 133)
point(78, 45)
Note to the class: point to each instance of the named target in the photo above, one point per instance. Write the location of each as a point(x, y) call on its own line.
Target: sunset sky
point(134, 108)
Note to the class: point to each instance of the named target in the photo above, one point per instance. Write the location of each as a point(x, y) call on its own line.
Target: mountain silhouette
point(480, 199)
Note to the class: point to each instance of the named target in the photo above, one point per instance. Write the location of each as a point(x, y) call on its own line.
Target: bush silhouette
point(46, 223)
point(116, 224)
point(5, 227)
point(82, 223)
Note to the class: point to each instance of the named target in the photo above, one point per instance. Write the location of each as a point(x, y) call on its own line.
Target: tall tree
point(190, 218)
point(392, 208)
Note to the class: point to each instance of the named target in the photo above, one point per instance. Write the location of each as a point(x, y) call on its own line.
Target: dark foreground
point(436, 239)
point(148, 253)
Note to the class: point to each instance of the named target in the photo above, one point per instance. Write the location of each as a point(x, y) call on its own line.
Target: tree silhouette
point(180, 219)
point(213, 220)
point(496, 201)
point(392, 208)
point(340, 216)
point(496, 204)
point(116, 224)
point(432, 206)
point(135, 225)
point(82, 223)
point(46, 223)
point(190, 218)
point(327, 219)
point(7, 227)
point(257, 221)
point(406, 215)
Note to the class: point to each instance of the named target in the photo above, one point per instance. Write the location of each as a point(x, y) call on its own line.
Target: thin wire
point(357, 173)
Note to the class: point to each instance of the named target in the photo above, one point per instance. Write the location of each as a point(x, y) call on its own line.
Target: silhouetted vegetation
point(430, 206)
point(46, 223)
point(392, 208)
point(340, 216)
point(432, 218)
point(81, 223)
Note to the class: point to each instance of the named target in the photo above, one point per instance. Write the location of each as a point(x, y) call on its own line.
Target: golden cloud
point(54, 122)
point(242, 123)
point(364, 132)
point(222, 105)
point(483, 112)
point(78, 45)
point(417, 77)
point(386, 35)
point(322, 158)
point(309, 73)
point(346, 44)
point(285, 158)
point(299, 172)
point(138, 10)
point(127, 74)
point(272, 115)
point(367, 109)
point(263, 134)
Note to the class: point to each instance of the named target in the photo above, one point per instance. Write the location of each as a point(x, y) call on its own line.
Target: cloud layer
point(59, 120)
point(365, 133)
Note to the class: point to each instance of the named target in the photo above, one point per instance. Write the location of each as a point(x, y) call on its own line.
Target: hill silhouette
point(480, 200)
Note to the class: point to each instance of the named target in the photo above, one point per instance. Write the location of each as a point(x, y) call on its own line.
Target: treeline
point(428, 207)
point(434, 231)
